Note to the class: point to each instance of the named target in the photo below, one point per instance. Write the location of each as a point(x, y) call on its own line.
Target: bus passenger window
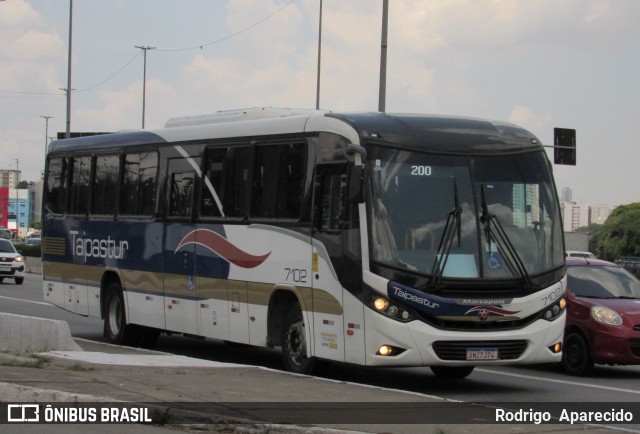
point(213, 190)
point(105, 179)
point(237, 181)
point(79, 190)
point(139, 181)
point(56, 185)
point(181, 194)
point(278, 181)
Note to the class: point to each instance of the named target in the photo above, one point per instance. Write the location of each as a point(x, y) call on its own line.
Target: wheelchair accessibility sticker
point(494, 260)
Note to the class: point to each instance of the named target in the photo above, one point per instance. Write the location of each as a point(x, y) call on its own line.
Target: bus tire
point(576, 357)
point(452, 372)
point(116, 328)
point(19, 280)
point(294, 343)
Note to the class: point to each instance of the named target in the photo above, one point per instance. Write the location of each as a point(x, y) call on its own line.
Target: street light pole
point(68, 89)
point(46, 133)
point(144, 78)
point(319, 57)
point(383, 58)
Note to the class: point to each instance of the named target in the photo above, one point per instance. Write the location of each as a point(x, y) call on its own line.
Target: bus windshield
point(464, 217)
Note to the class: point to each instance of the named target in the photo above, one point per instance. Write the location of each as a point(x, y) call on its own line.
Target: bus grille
point(457, 350)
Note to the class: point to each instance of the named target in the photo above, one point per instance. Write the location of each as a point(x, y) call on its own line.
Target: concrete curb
point(26, 334)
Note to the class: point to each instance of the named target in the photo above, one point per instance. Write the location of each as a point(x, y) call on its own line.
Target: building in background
point(567, 195)
point(19, 211)
point(577, 214)
point(9, 178)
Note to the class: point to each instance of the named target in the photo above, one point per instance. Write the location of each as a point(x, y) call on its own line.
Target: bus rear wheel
point(452, 372)
point(294, 343)
point(115, 320)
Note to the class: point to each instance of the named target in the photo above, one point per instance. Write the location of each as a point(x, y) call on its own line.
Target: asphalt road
point(530, 384)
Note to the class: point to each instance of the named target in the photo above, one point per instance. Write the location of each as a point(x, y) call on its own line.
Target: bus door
point(328, 264)
point(180, 296)
point(82, 237)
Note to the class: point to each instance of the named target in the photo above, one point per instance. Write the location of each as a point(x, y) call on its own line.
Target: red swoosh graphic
point(493, 309)
point(222, 247)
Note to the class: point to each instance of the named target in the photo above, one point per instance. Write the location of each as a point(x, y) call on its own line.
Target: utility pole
point(383, 58)
point(46, 134)
point(319, 57)
point(144, 79)
point(68, 89)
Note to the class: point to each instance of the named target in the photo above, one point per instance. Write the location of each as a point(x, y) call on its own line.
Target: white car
point(11, 263)
point(578, 254)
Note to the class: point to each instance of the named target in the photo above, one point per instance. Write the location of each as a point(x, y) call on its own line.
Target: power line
point(201, 46)
point(112, 75)
point(195, 47)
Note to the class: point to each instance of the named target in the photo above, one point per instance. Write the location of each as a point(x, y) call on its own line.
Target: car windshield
point(602, 282)
point(6, 247)
point(489, 217)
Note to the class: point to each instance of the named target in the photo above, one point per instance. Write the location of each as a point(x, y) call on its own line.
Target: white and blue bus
point(367, 238)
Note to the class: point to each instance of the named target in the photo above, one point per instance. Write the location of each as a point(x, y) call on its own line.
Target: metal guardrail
point(629, 262)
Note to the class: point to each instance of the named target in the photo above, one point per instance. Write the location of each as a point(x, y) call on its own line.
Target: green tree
point(620, 235)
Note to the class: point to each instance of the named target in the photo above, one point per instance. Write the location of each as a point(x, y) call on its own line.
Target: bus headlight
point(390, 309)
point(555, 310)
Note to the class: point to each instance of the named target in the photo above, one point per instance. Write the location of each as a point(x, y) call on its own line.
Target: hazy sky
point(540, 64)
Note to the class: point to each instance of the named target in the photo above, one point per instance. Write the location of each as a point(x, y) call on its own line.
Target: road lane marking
point(553, 380)
point(27, 301)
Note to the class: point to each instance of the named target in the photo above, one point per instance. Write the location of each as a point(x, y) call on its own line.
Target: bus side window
point(180, 184)
point(105, 182)
point(56, 185)
point(80, 183)
point(139, 184)
point(237, 181)
point(213, 192)
point(331, 188)
point(278, 181)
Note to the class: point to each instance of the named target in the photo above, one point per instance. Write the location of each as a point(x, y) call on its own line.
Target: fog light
point(392, 311)
point(385, 350)
point(555, 348)
point(381, 303)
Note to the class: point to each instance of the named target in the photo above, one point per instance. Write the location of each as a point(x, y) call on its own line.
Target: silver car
point(11, 263)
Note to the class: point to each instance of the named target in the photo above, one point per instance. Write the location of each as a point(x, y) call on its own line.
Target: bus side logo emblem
point(222, 247)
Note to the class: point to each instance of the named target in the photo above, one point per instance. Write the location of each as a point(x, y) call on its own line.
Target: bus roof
point(408, 131)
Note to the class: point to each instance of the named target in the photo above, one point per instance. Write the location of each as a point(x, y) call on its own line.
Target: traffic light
point(564, 146)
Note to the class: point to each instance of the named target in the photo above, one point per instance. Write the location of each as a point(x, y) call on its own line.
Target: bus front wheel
point(294, 343)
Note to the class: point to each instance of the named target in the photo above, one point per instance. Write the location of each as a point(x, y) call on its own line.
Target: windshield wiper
point(452, 227)
point(502, 241)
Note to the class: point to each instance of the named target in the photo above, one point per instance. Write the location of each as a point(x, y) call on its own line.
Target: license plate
point(482, 354)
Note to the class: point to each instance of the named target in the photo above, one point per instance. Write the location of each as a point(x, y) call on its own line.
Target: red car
point(603, 316)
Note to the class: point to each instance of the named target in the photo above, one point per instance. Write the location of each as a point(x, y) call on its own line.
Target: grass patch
point(33, 361)
point(77, 367)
